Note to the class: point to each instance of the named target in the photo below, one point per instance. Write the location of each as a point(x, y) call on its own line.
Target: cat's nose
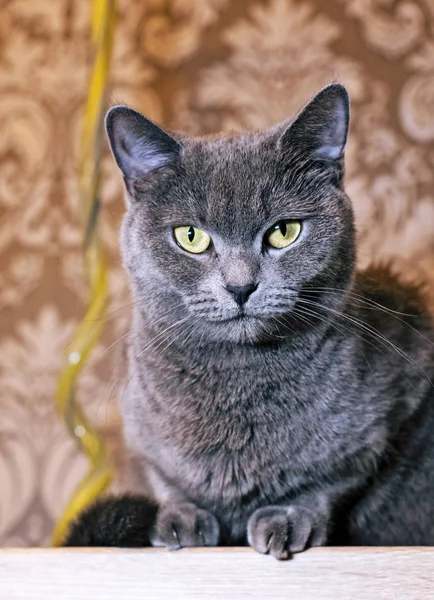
point(241, 293)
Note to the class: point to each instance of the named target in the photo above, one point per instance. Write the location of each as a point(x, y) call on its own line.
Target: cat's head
point(225, 232)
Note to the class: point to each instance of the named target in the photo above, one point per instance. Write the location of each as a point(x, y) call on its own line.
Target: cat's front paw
point(284, 530)
point(185, 526)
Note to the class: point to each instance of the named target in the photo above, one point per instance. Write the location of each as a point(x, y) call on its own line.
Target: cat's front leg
point(185, 526)
point(284, 530)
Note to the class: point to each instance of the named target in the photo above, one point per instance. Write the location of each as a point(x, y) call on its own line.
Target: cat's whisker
point(126, 385)
point(143, 350)
point(374, 333)
point(371, 305)
point(331, 321)
point(166, 314)
point(128, 333)
point(105, 398)
point(285, 323)
point(345, 331)
point(190, 329)
point(194, 301)
point(114, 313)
point(358, 298)
point(122, 337)
point(301, 316)
point(176, 337)
point(201, 313)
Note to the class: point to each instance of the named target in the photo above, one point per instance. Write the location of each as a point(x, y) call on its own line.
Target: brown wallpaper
point(200, 66)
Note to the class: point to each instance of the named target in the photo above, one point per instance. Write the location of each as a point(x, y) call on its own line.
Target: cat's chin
point(238, 329)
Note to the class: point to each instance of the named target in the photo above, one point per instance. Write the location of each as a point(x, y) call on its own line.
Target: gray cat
point(275, 398)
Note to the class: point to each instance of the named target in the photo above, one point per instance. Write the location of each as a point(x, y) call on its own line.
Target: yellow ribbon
point(88, 332)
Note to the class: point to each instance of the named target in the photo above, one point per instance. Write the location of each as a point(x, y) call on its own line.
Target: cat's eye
point(283, 234)
point(192, 239)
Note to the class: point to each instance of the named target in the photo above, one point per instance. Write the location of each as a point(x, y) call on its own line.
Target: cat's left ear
point(321, 129)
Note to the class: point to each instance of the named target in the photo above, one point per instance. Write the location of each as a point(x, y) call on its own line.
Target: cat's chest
point(230, 410)
point(249, 433)
point(241, 423)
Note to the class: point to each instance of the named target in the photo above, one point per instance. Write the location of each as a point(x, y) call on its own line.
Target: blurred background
point(200, 66)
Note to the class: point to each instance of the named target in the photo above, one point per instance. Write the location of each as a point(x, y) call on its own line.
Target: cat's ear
point(320, 130)
point(139, 146)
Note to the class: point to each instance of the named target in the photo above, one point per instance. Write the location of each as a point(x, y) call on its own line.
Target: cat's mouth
point(242, 326)
point(238, 318)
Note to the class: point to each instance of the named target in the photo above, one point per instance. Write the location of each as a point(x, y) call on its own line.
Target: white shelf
point(229, 574)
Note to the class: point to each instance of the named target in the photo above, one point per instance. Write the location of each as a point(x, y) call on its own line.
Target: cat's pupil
point(282, 227)
point(190, 234)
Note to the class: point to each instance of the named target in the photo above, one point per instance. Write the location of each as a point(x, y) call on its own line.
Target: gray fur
point(308, 421)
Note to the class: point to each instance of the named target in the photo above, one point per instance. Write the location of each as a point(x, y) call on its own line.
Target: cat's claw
point(284, 530)
point(185, 526)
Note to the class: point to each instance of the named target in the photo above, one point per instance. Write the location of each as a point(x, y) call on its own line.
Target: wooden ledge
point(229, 574)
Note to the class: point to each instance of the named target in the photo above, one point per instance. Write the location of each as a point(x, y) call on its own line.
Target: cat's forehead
point(230, 156)
point(227, 177)
point(236, 179)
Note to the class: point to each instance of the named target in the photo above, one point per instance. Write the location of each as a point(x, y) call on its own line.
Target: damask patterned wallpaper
point(200, 66)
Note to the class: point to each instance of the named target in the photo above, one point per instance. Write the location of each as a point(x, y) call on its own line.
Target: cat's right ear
point(139, 146)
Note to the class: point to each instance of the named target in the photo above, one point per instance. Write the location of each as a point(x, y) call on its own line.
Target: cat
point(276, 398)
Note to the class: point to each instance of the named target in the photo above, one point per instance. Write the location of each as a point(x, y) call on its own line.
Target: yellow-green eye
point(192, 239)
point(283, 234)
